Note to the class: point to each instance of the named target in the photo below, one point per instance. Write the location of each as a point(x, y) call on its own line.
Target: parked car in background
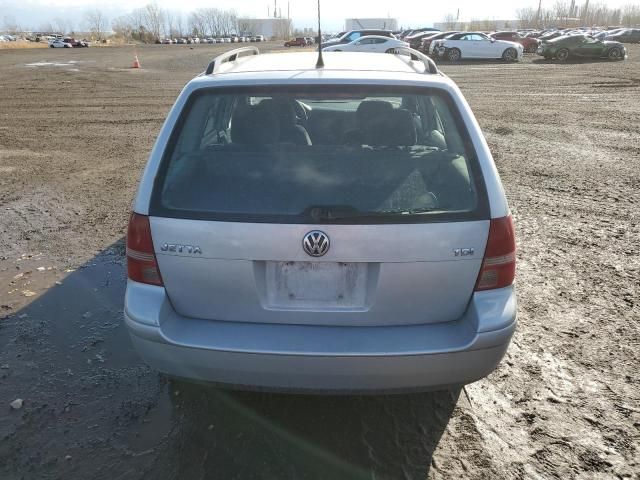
point(59, 43)
point(416, 31)
point(415, 40)
point(356, 34)
point(370, 43)
point(550, 35)
point(260, 38)
point(265, 250)
point(181, 41)
point(470, 45)
point(296, 42)
point(167, 41)
point(581, 46)
point(629, 35)
point(530, 45)
point(428, 42)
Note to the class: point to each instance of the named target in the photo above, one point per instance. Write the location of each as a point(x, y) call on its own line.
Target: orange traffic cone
point(136, 62)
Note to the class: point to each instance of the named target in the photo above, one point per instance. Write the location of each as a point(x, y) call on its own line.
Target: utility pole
point(275, 8)
point(538, 14)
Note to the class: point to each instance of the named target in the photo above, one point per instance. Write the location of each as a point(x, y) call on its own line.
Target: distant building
point(270, 28)
point(363, 23)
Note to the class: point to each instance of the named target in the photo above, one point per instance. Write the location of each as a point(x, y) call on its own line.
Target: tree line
point(564, 13)
point(151, 23)
point(567, 13)
point(147, 24)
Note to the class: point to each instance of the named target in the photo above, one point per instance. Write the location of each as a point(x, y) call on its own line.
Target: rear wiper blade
point(329, 214)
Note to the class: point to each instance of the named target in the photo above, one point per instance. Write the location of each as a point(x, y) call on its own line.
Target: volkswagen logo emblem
point(316, 243)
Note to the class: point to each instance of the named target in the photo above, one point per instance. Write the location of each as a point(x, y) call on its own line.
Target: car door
point(480, 46)
point(381, 45)
point(362, 45)
point(464, 44)
point(486, 47)
point(589, 47)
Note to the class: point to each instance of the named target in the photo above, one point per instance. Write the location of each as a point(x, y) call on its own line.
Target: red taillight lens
point(141, 259)
point(499, 263)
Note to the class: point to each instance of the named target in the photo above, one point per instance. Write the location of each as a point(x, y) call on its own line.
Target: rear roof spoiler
point(230, 56)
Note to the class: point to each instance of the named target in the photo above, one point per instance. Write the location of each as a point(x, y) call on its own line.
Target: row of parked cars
point(68, 43)
point(509, 46)
point(7, 38)
point(211, 40)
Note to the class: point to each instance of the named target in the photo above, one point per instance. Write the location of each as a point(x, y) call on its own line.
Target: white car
point(370, 43)
point(58, 43)
point(477, 45)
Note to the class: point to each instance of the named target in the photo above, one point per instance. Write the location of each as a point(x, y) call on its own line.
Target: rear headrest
point(373, 109)
point(256, 125)
point(282, 108)
point(393, 129)
point(402, 129)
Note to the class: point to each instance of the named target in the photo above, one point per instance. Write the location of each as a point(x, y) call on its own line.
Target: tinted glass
point(349, 154)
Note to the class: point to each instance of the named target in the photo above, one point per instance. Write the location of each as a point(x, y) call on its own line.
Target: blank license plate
point(316, 285)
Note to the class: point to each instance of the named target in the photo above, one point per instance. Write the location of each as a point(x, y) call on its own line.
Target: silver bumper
point(325, 359)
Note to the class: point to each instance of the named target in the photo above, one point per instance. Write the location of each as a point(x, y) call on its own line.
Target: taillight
point(141, 260)
point(499, 263)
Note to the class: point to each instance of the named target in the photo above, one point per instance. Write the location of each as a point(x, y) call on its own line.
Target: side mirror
point(493, 40)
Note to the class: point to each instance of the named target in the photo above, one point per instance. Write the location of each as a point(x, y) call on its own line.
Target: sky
point(411, 13)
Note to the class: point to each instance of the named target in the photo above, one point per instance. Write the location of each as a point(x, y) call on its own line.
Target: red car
point(298, 42)
point(530, 45)
point(76, 43)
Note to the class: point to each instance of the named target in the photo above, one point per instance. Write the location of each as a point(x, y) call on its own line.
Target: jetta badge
point(316, 243)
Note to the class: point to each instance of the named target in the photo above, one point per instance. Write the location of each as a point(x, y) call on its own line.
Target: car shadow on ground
point(475, 61)
point(92, 407)
point(244, 434)
point(571, 61)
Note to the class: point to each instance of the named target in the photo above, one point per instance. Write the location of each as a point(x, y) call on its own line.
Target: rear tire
point(510, 55)
point(454, 55)
point(562, 55)
point(615, 54)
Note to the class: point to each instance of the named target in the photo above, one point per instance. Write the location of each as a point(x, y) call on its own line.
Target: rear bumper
point(319, 358)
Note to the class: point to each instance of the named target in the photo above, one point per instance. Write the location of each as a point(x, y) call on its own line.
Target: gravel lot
point(75, 129)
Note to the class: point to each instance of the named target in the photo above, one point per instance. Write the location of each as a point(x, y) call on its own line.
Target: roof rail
point(230, 56)
point(429, 65)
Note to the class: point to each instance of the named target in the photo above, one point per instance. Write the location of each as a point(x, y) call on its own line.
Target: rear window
point(320, 154)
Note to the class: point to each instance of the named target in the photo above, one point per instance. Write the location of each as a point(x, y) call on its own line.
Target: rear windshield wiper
point(328, 214)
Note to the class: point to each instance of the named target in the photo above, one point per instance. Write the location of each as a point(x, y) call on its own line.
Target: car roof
point(299, 67)
point(373, 36)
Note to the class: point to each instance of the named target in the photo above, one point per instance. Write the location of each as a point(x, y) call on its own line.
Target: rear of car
point(321, 230)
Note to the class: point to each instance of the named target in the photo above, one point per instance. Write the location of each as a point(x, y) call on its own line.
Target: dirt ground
point(75, 129)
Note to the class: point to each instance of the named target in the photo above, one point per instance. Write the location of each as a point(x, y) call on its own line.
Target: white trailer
point(365, 23)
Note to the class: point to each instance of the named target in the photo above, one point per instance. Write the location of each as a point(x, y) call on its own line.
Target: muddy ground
point(75, 129)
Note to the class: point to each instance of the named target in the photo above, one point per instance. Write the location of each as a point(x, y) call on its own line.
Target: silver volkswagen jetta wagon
point(336, 229)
